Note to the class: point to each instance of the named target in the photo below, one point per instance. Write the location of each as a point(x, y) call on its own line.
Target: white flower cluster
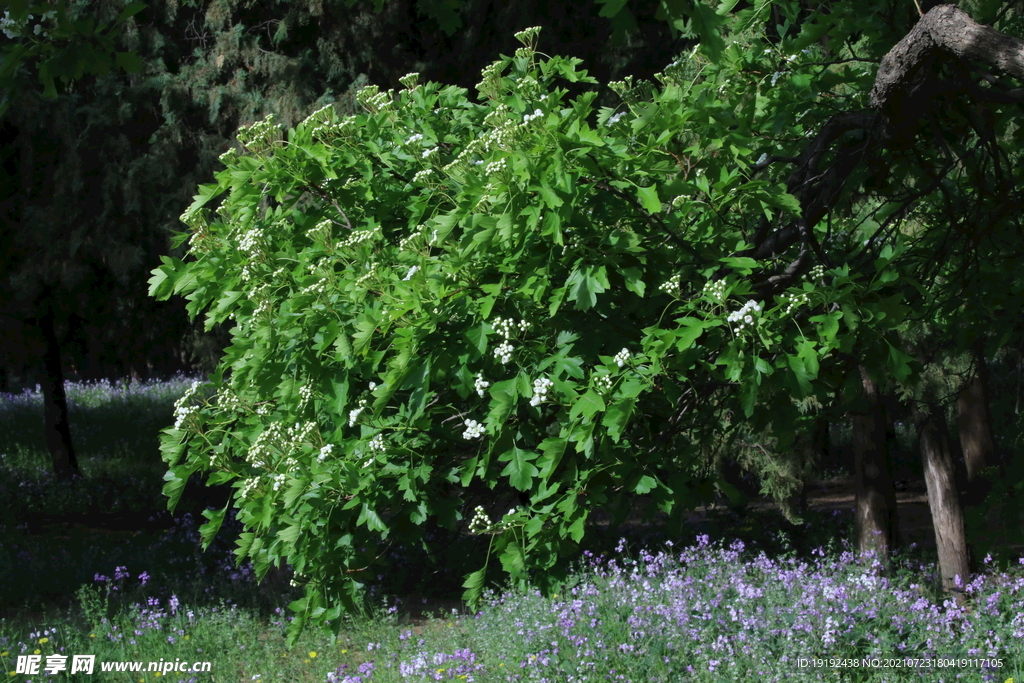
point(320, 116)
point(264, 309)
point(325, 452)
point(412, 271)
point(407, 241)
point(317, 288)
point(528, 35)
point(504, 352)
point(612, 120)
point(621, 357)
point(356, 237)
point(229, 400)
point(423, 176)
point(816, 273)
point(353, 415)
point(504, 326)
point(373, 100)
point(260, 454)
point(474, 430)
point(414, 138)
point(299, 434)
point(410, 80)
point(793, 301)
point(480, 384)
point(496, 167)
point(228, 157)
point(181, 408)
point(716, 289)
point(377, 443)
point(361, 280)
point(259, 135)
point(540, 390)
point(320, 232)
point(279, 480)
point(603, 382)
point(248, 487)
point(429, 153)
point(181, 414)
point(327, 132)
point(263, 410)
point(490, 82)
point(537, 113)
point(250, 242)
point(498, 116)
point(672, 285)
point(480, 522)
point(744, 316)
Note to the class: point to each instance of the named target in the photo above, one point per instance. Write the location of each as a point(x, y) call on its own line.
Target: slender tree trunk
point(975, 426)
point(57, 427)
point(876, 528)
point(947, 514)
point(812, 448)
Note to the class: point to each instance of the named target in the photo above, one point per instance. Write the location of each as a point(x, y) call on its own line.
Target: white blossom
point(473, 430)
point(480, 385)
point(540, 390)
point(504, 352)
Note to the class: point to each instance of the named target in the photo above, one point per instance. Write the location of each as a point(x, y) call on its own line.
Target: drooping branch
point(904, 88)
point(948, 29)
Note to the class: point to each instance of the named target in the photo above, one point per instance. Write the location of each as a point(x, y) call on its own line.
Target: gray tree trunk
point(975, 426)
point(943, 498)
point(55, 404)
point(876, 527)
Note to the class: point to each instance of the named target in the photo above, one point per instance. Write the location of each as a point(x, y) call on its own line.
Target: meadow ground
point(99, 567)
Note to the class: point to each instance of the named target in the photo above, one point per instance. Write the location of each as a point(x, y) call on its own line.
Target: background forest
point(115, 112)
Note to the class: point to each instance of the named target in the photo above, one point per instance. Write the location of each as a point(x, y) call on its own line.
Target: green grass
point(98, 567)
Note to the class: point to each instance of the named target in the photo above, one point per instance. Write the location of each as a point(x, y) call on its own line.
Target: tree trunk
point(947, 514)
point(55, 404)
point(975, 426)
point(876, 528)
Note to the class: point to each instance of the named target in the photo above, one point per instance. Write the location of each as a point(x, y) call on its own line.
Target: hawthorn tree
point(574, 303)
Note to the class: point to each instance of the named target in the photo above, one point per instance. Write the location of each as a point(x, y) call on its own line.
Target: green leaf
point(587, 405)
point(371, 519)
point(646, 484)
point(216, 518)
point(585, 284)
point(513, 558)
point(176, 478)
point(634, 281)
point(801, 373)
point(552, 450)
point(520, 471)
point(617, 417)
point(474, 585)
point(649, 198)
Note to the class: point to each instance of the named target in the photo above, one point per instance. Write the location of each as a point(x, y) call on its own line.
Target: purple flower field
point(77, 578)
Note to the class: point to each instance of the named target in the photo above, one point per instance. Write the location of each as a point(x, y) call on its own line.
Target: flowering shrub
point(524, 293)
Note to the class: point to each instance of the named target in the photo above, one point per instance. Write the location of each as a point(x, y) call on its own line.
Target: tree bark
point(975, 425)
point(875, 521)
point(947, 513)
point(55, 404)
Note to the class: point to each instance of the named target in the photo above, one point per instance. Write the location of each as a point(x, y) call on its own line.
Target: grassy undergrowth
point(98, 567)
